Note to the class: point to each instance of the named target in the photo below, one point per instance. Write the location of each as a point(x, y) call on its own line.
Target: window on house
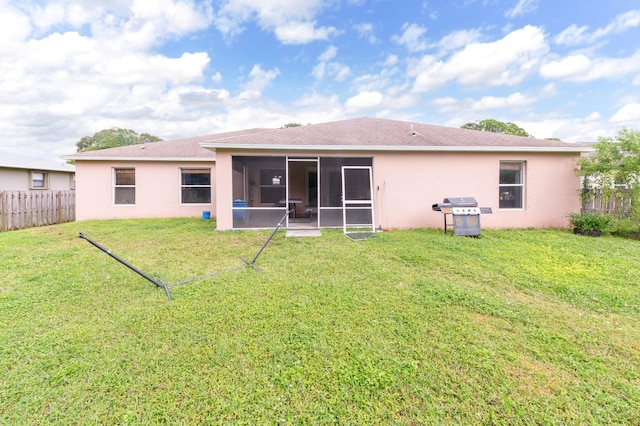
point(511, 188)
point(124, 191)
point(195, 186)
point(39, 180)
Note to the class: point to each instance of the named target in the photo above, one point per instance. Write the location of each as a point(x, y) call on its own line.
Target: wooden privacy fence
point(26, 209)
point(596, 201)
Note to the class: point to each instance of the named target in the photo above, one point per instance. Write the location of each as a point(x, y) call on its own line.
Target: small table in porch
point(292, 205)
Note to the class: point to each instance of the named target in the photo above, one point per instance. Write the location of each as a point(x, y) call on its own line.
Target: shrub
point(626, 228)
point(590, 221)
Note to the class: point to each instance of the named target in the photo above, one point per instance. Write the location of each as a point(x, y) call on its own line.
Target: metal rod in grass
point(157, 281)
point(205, 276)
point(253, 261)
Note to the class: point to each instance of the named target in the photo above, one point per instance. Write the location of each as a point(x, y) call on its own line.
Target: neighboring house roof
point(14, 161)
point(187, 149)
point(377, 134)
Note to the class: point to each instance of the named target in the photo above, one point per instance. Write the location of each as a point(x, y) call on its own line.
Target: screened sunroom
point(311, 192)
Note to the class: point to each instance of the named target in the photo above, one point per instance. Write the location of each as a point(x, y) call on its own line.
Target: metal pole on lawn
point(158, 282)
point(253, 261)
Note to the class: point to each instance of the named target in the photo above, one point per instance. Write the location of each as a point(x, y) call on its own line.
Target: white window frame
point(116, 186)
point(523, 168)
point(183, 186)
point(44, 180)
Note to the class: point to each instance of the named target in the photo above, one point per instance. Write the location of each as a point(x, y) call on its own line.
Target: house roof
point(377, 134)
point(358, 134)
point(187, 149)
point(15, 161)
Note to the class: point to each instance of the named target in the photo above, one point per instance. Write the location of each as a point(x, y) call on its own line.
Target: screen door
point(357, 198)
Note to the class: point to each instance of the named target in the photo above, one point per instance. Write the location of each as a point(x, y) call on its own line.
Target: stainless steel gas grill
point(465, 215)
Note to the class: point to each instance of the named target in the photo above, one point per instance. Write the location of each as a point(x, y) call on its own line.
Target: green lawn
point(409, 327)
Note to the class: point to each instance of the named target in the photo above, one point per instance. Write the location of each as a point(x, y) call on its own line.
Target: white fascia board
point(141, 159)
point(36, 168)
point(402, 148)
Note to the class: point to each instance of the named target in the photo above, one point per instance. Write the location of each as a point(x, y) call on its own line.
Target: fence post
point(21, 210)
point(5, 212)
point(61, 218)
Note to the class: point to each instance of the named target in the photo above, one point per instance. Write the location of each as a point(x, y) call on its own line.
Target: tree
point(111, 138)
point(614, 164)
point(286, 126)
point(495, 126)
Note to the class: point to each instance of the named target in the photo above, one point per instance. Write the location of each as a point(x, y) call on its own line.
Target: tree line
point(112, 138)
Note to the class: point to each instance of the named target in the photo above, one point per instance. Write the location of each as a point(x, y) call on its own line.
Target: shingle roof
point(15, 161)
point(363, 134)
point(374, 134)
point(187, 149)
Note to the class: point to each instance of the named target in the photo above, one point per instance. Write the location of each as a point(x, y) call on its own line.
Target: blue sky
point(178, 68)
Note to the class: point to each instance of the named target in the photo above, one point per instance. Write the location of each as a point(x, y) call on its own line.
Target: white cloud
point(391, 60)
point(485, 105)
point(64, 85)
point(328, 68)
point(303, 32)
point(522, 8)
point(514, 101)
point(340, 71)
point(567, 68)
point(459, 39)
point(399, 101)
point(412, 38)
point(365, 30)
point(364, 101)
point(292, 21)
point(449, 100)
point(580, 68)
point(629, 113)
point(259, 79)
point(507, 61)
point(14, 27)
point(203, 98)
point(385, 80)
point(621, 23)
point(594, 116)
point(328, 54)
point(575, 35)
point(315, 100)
point(429, 74)
point(170, 16)
point(48, 16)
point(136, 23)
point(65, 13)
point(576, 129)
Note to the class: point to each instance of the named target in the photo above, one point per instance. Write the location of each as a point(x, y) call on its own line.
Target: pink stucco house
point(373, 172)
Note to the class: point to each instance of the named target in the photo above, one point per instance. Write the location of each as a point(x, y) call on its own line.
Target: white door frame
point(316, 161)
point(346, 203)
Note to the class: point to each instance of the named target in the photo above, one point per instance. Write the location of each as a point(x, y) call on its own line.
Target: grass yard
point(409, 327)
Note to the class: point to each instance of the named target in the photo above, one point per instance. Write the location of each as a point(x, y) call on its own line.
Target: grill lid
point(461, 201)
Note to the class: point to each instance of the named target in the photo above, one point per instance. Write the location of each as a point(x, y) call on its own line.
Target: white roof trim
point(165, 159)
point(464, 148)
